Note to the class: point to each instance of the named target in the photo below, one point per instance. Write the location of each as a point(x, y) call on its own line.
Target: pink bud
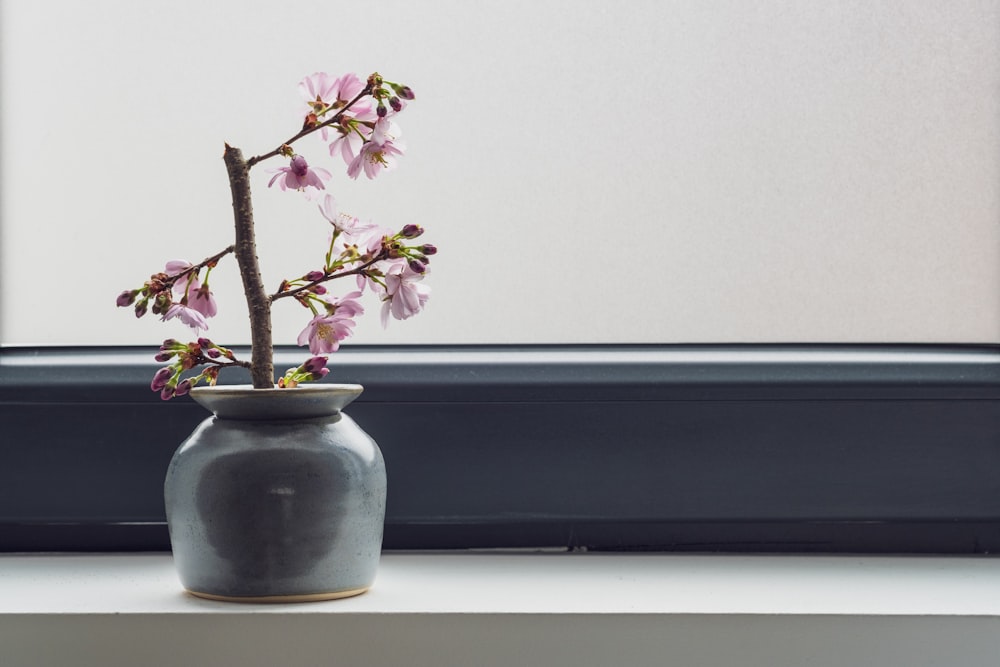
point(411, 231)
point(167, 393)
point(428, 249)
point(314, 364)
point(182, 388)
point(161, 378)
point(417, 266)
point(313, 275)
point(126, 298)
point(395, 104)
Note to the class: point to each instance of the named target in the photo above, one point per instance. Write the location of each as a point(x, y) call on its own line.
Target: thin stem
point(326, 278)
point(309, 130)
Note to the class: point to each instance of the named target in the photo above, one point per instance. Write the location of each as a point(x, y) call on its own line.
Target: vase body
point(279, 496)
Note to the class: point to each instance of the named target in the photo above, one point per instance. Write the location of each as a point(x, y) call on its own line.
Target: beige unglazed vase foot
point(279, 599)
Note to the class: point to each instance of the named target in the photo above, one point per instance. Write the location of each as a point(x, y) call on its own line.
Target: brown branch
point(213, 260)
point(262, 353)
point(326, 278)
point(309, 130)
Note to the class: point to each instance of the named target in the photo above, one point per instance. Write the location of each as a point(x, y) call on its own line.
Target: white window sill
point(518, 609)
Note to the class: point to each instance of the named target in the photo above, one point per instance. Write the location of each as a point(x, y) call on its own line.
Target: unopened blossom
point(379, 153)
point(405, 296)
point(298, 175)
point(161, 378)
point(188, 316)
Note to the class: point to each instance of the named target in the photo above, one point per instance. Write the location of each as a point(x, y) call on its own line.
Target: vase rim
point(343, 387)
point(303, 402)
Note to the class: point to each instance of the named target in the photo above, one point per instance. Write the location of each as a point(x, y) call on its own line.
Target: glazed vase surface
point(279, 496)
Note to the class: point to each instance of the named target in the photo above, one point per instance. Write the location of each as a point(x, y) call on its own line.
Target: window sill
point(519, 608)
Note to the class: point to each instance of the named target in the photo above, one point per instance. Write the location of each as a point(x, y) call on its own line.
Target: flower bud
point(315, 364)
point(164, 356)
point(411, 231)
point(396, 105)
point(428, 249)
point(140, 308)
point(313, 275)
point(126, 298)
point(317, 289)
point(417, 266)
point(205, 343)
point(161, 378)
point(171, 344)
point(213, 353)
point(318, 375)
point(403, 91)
point(162, 303)
point(167, 393)
point(381, 110)
point(183, 387)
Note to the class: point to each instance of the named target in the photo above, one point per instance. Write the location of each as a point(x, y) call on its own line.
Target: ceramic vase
point(278, 497)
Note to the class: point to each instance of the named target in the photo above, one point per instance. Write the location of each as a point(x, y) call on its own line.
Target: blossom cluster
point(357, 121)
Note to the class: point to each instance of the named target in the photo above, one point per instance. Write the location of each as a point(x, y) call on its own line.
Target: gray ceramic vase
point(279, 497)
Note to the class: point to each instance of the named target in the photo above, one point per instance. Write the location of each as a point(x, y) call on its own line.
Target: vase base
point(280, 599)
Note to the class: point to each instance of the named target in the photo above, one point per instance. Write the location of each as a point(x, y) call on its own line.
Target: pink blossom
point(379, 152)
point(319, 91)
point(351, 140)
point(342, 222)
point(202, 300)
point(324, 332)
point(324, 93)
point(188, 316)
point(347, 305)
point(198, 297)
point(405, 296)
point(176, 267)
point(298, 175)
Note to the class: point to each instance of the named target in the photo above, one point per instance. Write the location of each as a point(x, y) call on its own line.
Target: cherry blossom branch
point(208, 261)
point(326, 278)
point(309, 130)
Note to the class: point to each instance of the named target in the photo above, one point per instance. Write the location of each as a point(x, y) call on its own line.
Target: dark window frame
point(748, 448)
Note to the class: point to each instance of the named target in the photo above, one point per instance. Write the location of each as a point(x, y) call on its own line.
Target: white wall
point(643, 171)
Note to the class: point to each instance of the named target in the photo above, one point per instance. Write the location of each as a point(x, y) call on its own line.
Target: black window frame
point(746, 448)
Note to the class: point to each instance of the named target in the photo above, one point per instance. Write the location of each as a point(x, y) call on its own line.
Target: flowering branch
point(360, 115)
point(324, 278)
point(310, 127)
